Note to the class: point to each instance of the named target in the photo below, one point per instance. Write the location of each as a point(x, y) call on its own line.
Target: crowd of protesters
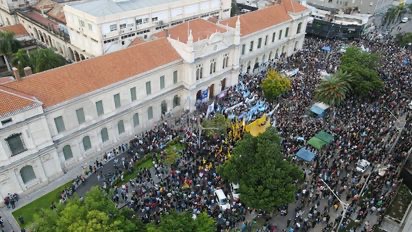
point(363, 128)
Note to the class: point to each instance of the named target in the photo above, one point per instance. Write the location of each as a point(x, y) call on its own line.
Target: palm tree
point(333, 90)
point(8, 46)
point(45, 59)
point(21, 60)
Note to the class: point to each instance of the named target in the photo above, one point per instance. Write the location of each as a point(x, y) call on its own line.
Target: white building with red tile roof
point(64, 117)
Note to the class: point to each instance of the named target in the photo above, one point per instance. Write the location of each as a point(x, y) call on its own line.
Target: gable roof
point(17, 29)
point(64, 83)
point(201, 29)
point(292, 6)
point(260, 19)
point(13, 101)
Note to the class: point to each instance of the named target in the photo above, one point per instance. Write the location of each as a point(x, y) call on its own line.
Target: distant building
point(348, 6)
point(53, 121)
point(102, 26)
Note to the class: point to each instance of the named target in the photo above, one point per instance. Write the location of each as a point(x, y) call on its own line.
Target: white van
point(222, 200)
point(235, 191)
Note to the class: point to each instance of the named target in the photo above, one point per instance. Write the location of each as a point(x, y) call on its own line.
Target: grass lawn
point(173, 151)
point(28, 211)
point(399, 206)
point(146, 162)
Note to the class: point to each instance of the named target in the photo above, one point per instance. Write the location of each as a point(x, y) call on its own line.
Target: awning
point(316, 143)
point(319, 108)
point(324, 136)
point(305, 154)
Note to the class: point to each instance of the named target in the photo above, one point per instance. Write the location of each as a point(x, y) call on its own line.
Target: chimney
point(16, 74)
point(27, 71)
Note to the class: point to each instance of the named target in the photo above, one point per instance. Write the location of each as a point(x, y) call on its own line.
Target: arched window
point(150, 113)
point(120, 127)
point(104, 134)
point(67, 152)
point(86, 143)
point(176, 101)
point(163, 107)
point(136, 119)
point(299, 28)
point(27, 174)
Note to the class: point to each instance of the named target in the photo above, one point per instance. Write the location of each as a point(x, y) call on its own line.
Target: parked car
point(235, 191)
point(222, 200)
point(404, 20)
point(362, 165)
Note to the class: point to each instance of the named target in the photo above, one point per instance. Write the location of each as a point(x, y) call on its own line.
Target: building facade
point(359, 6)
point(103, 26)
point(64, 117)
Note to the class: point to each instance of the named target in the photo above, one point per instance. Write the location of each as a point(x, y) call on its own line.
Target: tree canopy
point(8, 45)
point(362, 69)
point(333, 90)
point(96, 212)
point(275, 85)
point(183, 222)
point(39, 60)
point(220, 122)
point(266, 180)
point(404, 39)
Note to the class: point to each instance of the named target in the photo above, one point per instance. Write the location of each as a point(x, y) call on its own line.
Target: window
point(299, 28)
point(136, 120)
point(67, 152)
point(251, 46)
point(175, 77)
point(58, 121)
point(259, 42)
point(266, 40)
point(104, 134)
point(139, 21)
point(243, 48)
point(280, 34)
point(113, 27)
point(287, 32)
point(162, 82)
point(81, 22)
point(120, 127)
point(148, 88)
point(212, 66)
point(116, 99)
point(163, 107)
point(133, 94)
point(16, 144)
point(99, 108)
point(122, 26)
point(155, 19)
point(90, 27)
point(176, 101)
point(86, 143)
point(27, 174)
point(80, 115)
point(150, 113)
point(273, 37)
point(199, 72)
point(225, 61)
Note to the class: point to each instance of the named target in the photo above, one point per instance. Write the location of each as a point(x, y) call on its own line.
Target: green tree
point(266, 180)
point(404, 39)
point(95, 212)
point(8, 46)
point(183, 222)
point(362, 69)
point(275, 85)
point(21, 60)
point(334, 89)
point(45, 59)
point(220, 122)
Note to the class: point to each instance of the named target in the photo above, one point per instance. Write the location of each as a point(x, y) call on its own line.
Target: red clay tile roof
point(136, 41)
point(62, 84)
point(293, 6)
point(12, 101)
point(37, 17)
point(260, 19)
point(17, 29)
point(201, 29)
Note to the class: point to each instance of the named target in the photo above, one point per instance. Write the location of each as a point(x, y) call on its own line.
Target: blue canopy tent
point(319, 109)
point(305, 154)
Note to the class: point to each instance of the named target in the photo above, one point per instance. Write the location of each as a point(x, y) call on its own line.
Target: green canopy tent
point(316, 143)
point(324, 136)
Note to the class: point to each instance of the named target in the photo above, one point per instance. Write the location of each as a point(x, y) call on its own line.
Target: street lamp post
point(344, 204)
